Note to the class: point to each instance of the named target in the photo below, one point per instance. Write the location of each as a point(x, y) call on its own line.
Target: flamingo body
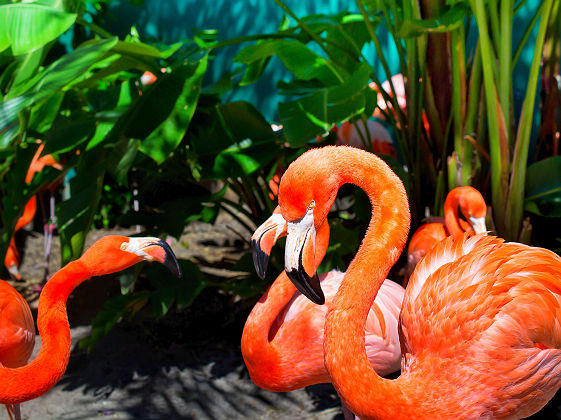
point(480, 323)
point(17, 333)
point(291, 356)
point(17, 329)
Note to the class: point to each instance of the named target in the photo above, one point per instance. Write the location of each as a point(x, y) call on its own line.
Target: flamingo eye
point(311, 205)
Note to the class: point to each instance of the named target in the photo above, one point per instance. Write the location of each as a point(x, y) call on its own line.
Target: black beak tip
point(308, 286)
point(260, 259)
point(170, 260)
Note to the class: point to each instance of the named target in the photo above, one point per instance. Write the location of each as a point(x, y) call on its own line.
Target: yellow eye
point(311, 205)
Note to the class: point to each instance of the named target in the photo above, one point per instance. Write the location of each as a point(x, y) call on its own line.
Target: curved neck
point(258, 350)
point(36, 378)
point(360, 387)
point(453, 224)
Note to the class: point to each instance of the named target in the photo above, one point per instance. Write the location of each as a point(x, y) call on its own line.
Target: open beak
point(478, 224)
point(299, 257)
point(263, 240)
point(154, 249)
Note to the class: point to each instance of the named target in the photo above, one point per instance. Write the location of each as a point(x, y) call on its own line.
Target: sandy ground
point(187, 365)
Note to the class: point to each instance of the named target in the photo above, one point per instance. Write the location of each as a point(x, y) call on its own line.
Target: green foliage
point(543, 187)
point(29, 26)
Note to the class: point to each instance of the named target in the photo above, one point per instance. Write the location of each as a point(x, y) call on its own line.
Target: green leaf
point(111, 313)
point(543, 187)
point(28, 65)
point(165, 138)
point(44, 113)
point(66, 134)
point(29, 26)
point(75, 215)
point(448, 21)
point(232, 140)
point(136, 49)
point(122, 159)
point(192, 283)
point(314, 115)
point(66, 69)
point(9, 117)
point(299, 59)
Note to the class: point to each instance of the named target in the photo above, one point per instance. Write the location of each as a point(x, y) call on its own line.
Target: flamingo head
point(473, 207)
point(113, 253)
point(307, 191)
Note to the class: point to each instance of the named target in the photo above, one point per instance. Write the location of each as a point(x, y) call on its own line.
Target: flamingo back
point(17, 329)
point(486, 313)
point(301, 323)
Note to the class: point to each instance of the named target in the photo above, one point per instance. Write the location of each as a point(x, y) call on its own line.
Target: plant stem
point(94, 28)
point(505, 61)
point(520, 158)
point(459, 101)
point(497, 146)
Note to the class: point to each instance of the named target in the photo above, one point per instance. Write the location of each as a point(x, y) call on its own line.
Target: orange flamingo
point(22, 382)
point(282, 341)
point(480, 322)
point(12, 258)
point(17, 334)
point(473, 208)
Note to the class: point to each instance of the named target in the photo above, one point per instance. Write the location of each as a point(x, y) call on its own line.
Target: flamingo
point(17, 333)
point(480, 321)
point(22, 382)
point(473, 208)
point(12, 258)
point(282, 341)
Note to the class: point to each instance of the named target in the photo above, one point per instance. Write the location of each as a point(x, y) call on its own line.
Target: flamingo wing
point(498, 321)
point(17, 329)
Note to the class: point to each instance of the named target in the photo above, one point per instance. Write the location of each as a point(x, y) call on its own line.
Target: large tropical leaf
point(297, 57)
point(313, 115)
point(29, 26)
point(163, 140)
point(75, 214)
point(446, 22)
point(232, 140)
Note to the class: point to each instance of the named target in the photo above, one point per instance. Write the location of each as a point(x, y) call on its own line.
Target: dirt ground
point(172, 368)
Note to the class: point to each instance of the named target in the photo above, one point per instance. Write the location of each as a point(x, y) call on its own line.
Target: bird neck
point(34, 379)
point(453, 223)
point(259, 353)
point(258, 350)
point(360, 387)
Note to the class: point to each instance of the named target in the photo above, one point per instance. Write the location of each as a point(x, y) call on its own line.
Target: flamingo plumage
point(17, 333)
point(22, 382)
point(282, 341)
point(471, 205)
point(481, 319)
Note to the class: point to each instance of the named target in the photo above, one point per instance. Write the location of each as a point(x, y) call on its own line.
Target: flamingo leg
point(48, 230)
point(14, 411)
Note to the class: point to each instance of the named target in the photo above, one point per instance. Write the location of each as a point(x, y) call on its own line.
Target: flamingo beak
point(153, 249)
point(14, 272)
point(263, 240)
point(478, 224)
point(299, 256)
